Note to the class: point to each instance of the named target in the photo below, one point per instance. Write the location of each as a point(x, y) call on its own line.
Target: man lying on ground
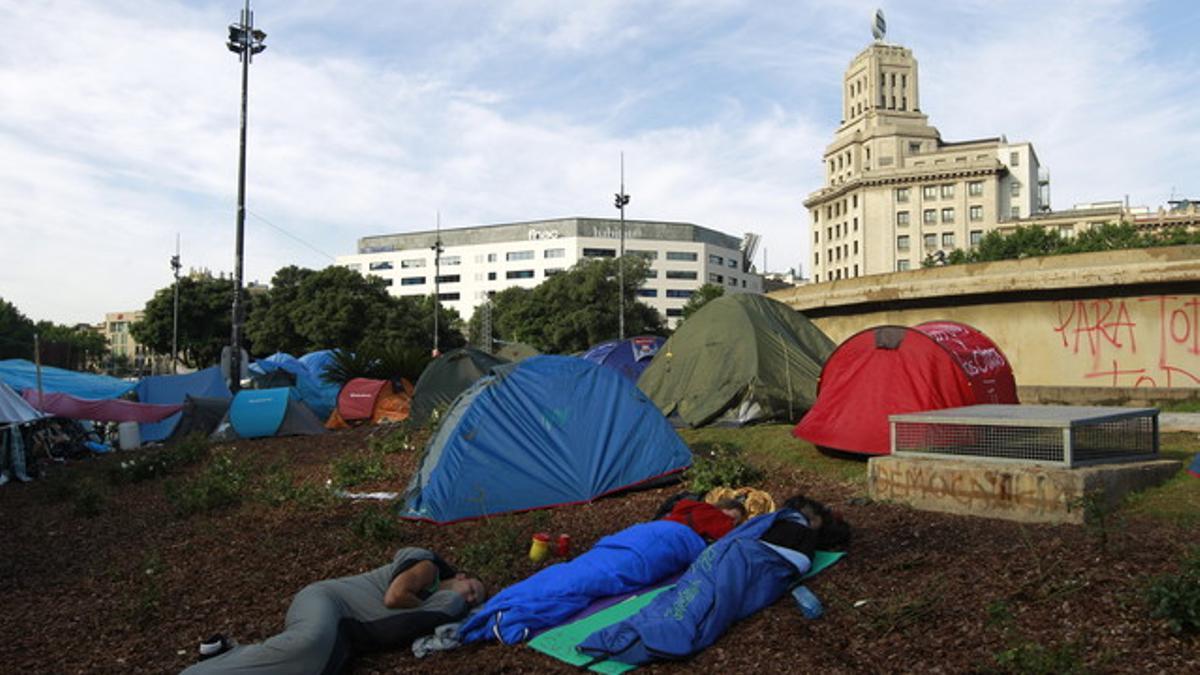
point(743, 572)
point(332, 620)
point(630, 560)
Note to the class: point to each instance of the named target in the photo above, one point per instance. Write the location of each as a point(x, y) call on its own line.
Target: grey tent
point(258, 413)
point(200, 415)
point(14, 409)
point(448, 376)
point(742, 358)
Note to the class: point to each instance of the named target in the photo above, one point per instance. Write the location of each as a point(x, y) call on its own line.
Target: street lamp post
point(175, 265)
point(621, 200)
point(244, 40)
point(437, 278)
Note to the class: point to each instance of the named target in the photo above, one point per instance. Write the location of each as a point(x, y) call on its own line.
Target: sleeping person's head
point(832, 531)
point(732, 508)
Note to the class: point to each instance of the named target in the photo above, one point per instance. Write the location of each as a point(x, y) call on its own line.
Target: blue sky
point(118, 120)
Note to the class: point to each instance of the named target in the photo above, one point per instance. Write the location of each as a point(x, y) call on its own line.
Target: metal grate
point(1062, 435)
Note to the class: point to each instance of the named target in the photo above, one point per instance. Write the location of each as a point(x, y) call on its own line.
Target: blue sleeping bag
point(732, 579)
point(629, 560)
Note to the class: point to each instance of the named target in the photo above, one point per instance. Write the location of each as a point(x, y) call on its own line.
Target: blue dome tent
point(320, 396)
point(547, 431)
point(255, 413)
point(628, 357)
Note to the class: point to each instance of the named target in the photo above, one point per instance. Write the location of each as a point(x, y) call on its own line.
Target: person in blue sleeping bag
point(741, 573)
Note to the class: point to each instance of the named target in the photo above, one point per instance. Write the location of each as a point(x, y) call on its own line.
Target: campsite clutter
point(629, 357)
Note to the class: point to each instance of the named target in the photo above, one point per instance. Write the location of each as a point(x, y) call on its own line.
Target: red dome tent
point(888, 370)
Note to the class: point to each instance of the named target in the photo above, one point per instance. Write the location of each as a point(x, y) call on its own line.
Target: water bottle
point(808, 603)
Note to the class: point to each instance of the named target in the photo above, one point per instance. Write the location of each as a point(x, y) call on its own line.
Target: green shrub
point(219, 485)
point(1032, 658)
point(278, 488)
point(1176, 597)
point(378, 524)
point(719, 465)
point(363, 467)
point(151, 464)
point(399, 439)
point(496, 549)
point(88, 500)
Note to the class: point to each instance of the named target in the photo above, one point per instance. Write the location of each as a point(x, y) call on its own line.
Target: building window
point(856, 270)
point(902, 195)
point(929, 217)
point(732, 281)
point(829, 233)
point(552, 271)
point(686, 256)
point(674, 311)
point(837, 230)
point(901, 265)
point(647, 292)
point(976, 237)
point(518, 255)
point(816, 216)
point(855, 247)
point(518, 274)
point(975, 188)
point(412, 281)
point(929, 192)
point(1015, 212)
point(353, 266)
point(681, 274)
point(716, 260)
point(599, 252)
point(947, 191)
point(854, 201)
point(856, 223)
point(1014, 189)
point(644, 255)
point(947, 240)
point(448, 296)
point(412, 262)
point(555, 253)
point(651, 274)
point(731, 263)
point(816, 258)
point(491, 276)
point(388, 282)
point(716, 278)
point(902, 218)
point(678, 293)
point(914, 148)
point(491, 257)
point(948, 215)
point(448, 279)
point(450, 260)
point(902, 242)
point(382, 265)
point(976, 213)
point(931, 241)
point(1014, 159)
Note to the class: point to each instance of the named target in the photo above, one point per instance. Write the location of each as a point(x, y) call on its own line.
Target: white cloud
point(367, 119)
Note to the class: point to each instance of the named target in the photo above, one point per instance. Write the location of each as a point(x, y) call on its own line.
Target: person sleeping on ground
point(630, 560)
point(743, 572)
point(330, 621)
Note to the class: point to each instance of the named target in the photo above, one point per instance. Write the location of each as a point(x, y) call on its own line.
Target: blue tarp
point(1195, 468)
point(320, 396)
point(732, 579)
point(173, 390)
point(21, 374)
point(629, 560)
point(317, 361)
point(628, 357)
point(549, 430)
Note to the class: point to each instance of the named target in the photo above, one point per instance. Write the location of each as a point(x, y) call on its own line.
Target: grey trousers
point(330, 621)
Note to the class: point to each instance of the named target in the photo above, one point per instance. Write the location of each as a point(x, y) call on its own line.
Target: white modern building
point(476, 262)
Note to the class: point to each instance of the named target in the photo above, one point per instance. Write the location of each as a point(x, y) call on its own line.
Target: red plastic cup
point(563, 545)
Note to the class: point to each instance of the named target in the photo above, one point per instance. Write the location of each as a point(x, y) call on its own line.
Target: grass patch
point(401, 438)
point(145, 603)
point(773, 444)
point(500, 545)
point(1176, 597)
point(1033, 658)
point(218, 486)
point(1177, 500)
point(1187, 405)
point(87, 498)
point(359, 468)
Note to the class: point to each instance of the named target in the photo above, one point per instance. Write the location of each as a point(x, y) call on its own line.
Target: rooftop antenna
point(879, 26)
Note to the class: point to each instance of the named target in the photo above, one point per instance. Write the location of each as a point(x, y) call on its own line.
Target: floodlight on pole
point(244, 40)
point(621, 200)
point(437, 278)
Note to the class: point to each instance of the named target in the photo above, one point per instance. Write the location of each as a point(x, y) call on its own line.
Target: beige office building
point(895, 192)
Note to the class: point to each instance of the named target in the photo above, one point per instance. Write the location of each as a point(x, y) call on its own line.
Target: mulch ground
point(135, 588)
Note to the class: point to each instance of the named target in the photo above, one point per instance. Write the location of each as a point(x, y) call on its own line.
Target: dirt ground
point(134, 588)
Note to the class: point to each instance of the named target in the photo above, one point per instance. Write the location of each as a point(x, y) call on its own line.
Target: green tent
point(742, 358)
point(448, 376)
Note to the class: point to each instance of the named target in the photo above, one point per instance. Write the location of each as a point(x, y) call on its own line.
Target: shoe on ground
point(215, 646)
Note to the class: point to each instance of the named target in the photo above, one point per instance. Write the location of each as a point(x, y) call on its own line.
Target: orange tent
point(363, 401)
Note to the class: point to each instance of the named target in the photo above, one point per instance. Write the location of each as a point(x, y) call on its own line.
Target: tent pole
point(37, 360)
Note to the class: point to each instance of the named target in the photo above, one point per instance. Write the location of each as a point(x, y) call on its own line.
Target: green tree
point(205, 319)
point(336, 308)
point(16, 333)
point(70, 347)
point(701, 297)
point(576, 309)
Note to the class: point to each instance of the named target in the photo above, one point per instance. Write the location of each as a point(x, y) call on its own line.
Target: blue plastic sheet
point(21, 374)
point(320, 396)
point(173, 390)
